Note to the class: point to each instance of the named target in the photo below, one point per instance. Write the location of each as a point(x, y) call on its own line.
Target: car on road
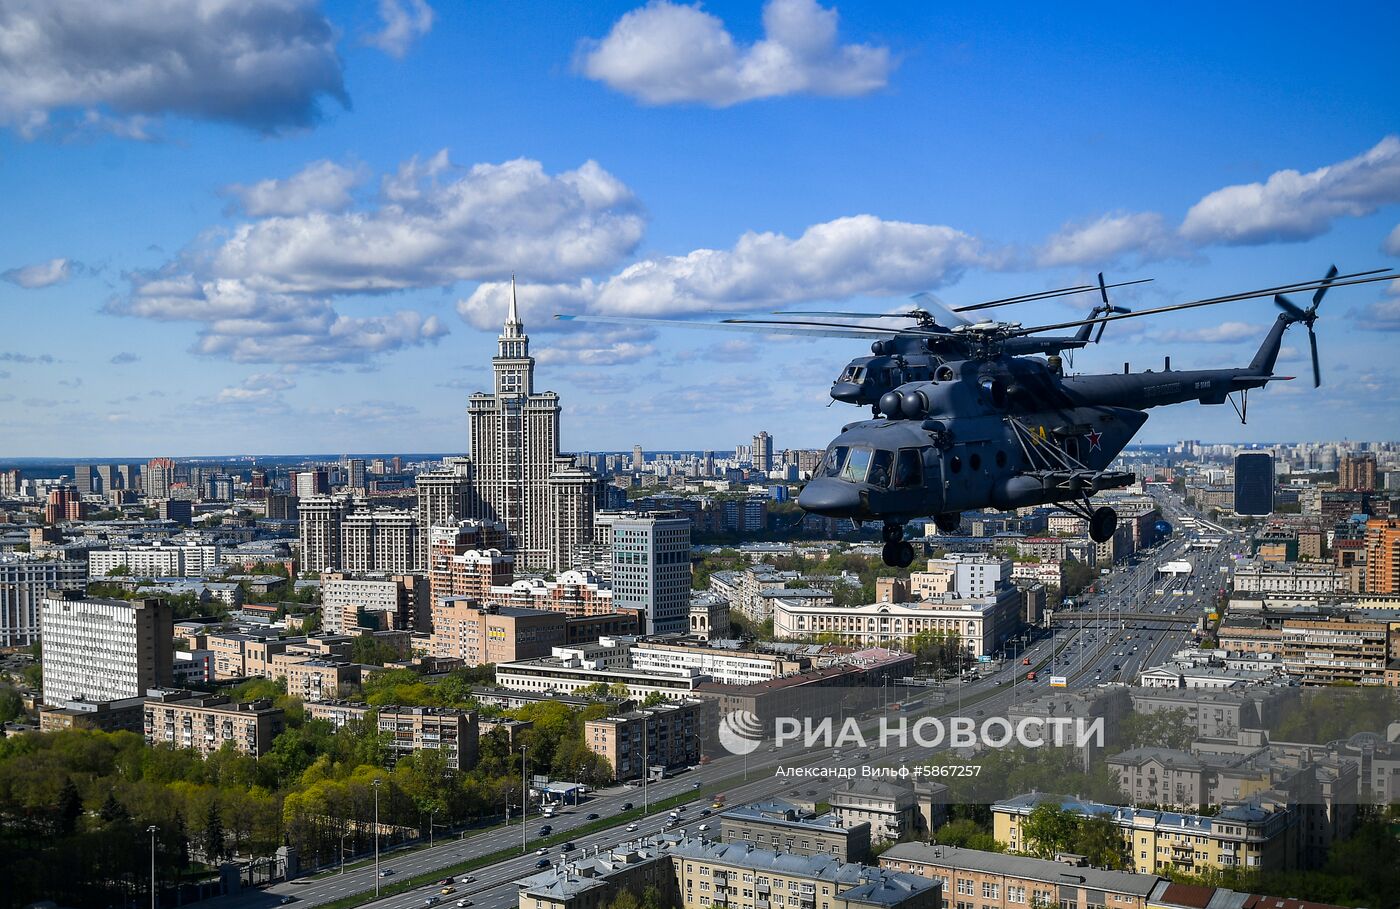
point(632, 827)
point(543, 850)
point(567, 847)
point(626, 806)
point(703, 827)
point(447, 890)
point(695, 785)
point(705, 812)
point(1116, 668)
point(432, 901)
point(285, 900)
point(463, 903)
point(542, 863)
point(591, 817)
point(446, 880)
point(680, 807)
point(546, 830)
point(386, 872)
point(469, 880)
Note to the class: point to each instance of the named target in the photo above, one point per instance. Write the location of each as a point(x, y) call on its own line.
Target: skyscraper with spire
point(515, 452)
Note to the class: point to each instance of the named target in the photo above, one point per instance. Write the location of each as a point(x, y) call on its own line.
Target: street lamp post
point(431, 815)
point(342, 852)
point(376, 836)
point(152, 831)
point(524, 806)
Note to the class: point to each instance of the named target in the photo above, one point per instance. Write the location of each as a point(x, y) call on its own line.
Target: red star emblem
point(1094, 436)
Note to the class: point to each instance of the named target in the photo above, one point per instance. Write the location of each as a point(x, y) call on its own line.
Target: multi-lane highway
point(1102, 647)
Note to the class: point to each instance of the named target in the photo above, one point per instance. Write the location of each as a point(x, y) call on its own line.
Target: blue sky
point(280, 225)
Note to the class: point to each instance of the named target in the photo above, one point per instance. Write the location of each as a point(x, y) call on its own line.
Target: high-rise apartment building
point(158, 478)
point(1382, 544)
point(1254, 483)
point(82, 479)
point(355, 473)
point(311, 483)
point(64, 504)
point(336, 536)
point(573, 493)
point(98, 649)
point(1357, 472)
point(452, 540)
point(445, 497)
point(379, 539)
point(320, 518)
point(638, 459)
point(23, 583)
point(515, 447)
point(651, 568)
point(763, 452)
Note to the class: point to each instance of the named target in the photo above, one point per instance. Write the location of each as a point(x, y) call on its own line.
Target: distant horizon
point(9, 462)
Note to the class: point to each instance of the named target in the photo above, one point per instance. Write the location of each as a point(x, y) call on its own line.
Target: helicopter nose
point(846, 392)
point(831, 498)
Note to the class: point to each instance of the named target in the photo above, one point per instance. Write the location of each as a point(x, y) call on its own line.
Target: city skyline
point(318, 261)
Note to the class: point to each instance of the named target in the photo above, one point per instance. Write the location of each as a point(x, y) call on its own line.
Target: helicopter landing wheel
point(892, 533)
point(948, 522)
point(1102, 524)
point(898, 555)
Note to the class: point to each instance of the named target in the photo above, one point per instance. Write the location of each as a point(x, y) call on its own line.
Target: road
point(1102, 649)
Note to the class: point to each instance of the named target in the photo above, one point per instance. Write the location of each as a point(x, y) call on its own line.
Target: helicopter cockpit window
point(853, 374)
point(908, 469)
point(856, 465)
point(835, 457)
point(880, 468)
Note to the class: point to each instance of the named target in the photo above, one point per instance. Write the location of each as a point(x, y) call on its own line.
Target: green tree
point(213, 837)
point(113, 812)
point(1049, 829)
point(1163, 729)
point(68, 809)
point(969, 834)
point(1102, 844)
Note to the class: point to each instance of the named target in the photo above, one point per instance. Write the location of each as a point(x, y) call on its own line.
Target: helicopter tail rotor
point(1295, 313)
point(1106, 308)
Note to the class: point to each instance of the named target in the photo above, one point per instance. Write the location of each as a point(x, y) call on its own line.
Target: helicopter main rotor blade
point(937, 308)
point(777, 328)
point(1046, 295)
point(855, 331)
point(1361, 277)
point(845, 315)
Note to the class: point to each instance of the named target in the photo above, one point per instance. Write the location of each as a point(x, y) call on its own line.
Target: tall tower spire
point(514, 328)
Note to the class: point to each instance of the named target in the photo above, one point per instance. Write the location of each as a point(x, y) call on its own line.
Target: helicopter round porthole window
point(954, 464)
point(975, 462)
point(1001, 459)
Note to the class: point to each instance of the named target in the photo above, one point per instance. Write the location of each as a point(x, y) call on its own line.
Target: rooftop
point(1033, 869)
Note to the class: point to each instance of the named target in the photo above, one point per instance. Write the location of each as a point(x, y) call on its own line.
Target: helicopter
point(967, 417)
point(1004, 431)
point(910, 353)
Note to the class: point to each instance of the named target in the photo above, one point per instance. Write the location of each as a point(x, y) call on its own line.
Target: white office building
point(103, 650)
point(23, 582)
point(651, 568)
point(158, 560)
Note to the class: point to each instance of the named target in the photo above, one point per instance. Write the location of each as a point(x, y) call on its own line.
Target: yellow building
point(1258, 834)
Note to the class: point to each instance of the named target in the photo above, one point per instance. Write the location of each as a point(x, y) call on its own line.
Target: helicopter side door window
point(880, 468)
point(908, 469)
point(856, 464)
point(835, 457)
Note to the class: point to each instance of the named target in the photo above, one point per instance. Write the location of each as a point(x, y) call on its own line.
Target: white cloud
point(123, 358)
point(320, 186)
point(1381, 315)
point(1223, 333)
point(1101, 241)
point(262, 64)
point(41, 274)
point(266, 289)
point(491, 220)
point(258, 387)
point(834, 260)
point(248, 326)
point(667, 53)
point(1292, 206)
point(1392, 242)
point(405, 21)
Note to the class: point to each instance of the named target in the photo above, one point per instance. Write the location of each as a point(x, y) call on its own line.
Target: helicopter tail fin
point(1267, 355)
